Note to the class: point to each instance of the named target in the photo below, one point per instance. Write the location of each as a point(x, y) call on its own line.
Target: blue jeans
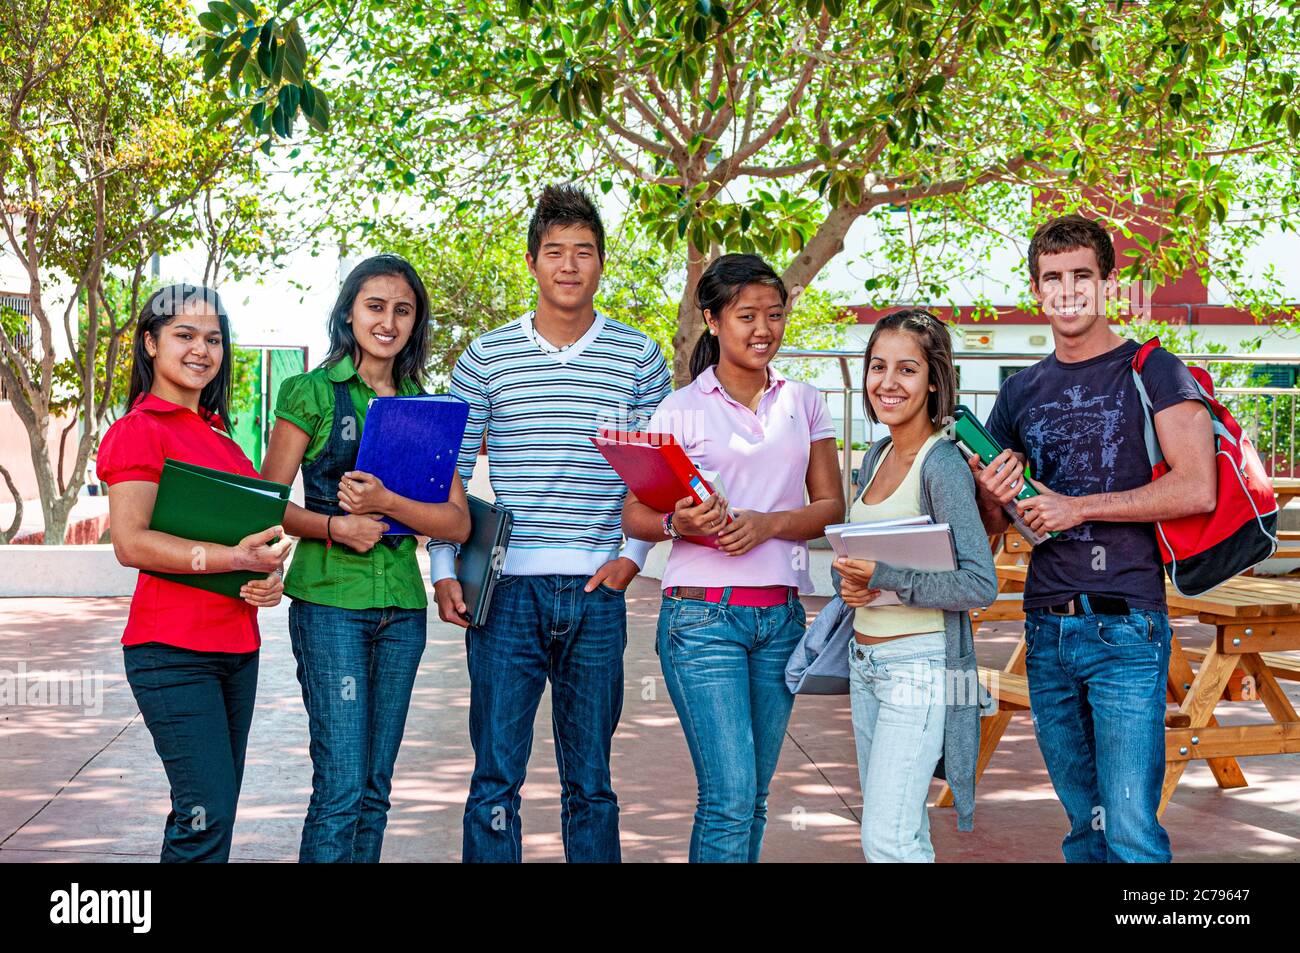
point(1097, 693)
point(198, 707)
point(724, 666)
point(543, 628)
point(356, 668)
point(896, 692)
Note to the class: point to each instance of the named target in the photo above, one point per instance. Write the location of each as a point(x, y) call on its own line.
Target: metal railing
point(1266, 414)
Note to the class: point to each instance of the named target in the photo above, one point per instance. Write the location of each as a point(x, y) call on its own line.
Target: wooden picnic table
point(1254, 618)
point(1286, 490)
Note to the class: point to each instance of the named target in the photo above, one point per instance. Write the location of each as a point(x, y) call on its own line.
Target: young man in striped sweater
point(542, 386)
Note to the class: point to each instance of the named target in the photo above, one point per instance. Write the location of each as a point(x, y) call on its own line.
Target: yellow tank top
point(887, 621)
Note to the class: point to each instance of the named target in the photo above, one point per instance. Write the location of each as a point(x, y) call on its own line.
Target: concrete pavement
point(78, 784)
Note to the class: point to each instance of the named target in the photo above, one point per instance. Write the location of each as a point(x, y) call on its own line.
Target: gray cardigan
point(948, 495)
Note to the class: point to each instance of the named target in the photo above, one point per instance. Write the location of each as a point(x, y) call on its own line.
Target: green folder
point(212, 506)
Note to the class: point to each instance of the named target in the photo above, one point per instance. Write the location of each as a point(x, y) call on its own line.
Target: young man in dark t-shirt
point(1096, 624)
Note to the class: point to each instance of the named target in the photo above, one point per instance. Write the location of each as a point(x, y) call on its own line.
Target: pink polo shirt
point(763, 461)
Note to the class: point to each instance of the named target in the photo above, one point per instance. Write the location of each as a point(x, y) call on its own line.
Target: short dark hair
point(161, 309)
point(1068, 232)
point(561, 206)
point(722, 282)
point(936, 345)
point(412, 358)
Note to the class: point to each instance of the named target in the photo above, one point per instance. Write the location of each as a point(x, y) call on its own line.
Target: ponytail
point(707, 353)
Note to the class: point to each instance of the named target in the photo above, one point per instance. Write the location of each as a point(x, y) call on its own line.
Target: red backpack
point(1205, 549)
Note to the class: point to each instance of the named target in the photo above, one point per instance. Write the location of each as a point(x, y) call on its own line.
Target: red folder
point(657, 470)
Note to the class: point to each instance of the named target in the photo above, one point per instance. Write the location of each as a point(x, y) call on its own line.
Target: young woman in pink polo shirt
point(731, 615)
point(190, 655)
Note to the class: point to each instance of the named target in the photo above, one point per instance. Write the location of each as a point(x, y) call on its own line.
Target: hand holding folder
point(411, 444)
point(975, 441)
point(212, 506)
point(655, 468)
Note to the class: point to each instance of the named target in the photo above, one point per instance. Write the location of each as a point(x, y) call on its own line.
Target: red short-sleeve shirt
point(163, 611)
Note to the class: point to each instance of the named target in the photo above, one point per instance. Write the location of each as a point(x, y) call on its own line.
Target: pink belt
point(757, 597)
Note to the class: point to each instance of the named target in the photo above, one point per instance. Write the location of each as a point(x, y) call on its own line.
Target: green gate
point(255, 386)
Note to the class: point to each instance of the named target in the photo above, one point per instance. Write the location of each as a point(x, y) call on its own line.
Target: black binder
point(482, 556)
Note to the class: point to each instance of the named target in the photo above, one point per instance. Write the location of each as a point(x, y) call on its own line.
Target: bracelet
point(329, 537)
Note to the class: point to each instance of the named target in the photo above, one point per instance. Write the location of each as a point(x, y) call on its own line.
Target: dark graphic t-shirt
point(1080, 425)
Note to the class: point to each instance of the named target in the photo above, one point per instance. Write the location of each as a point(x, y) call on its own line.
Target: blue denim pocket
point(1126, 631)
point(692, 614)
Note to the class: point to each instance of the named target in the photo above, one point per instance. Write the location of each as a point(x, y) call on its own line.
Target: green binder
point(976, 441)
point(212, 506)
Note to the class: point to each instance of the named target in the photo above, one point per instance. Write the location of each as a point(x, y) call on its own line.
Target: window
point(1275, 375)
point(1006, 370)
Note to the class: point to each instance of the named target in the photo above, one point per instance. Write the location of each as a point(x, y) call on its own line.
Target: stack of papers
point(912, 542)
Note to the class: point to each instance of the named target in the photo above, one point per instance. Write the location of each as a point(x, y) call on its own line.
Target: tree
point(105, 139)
point(774, 126)
point(477, 279)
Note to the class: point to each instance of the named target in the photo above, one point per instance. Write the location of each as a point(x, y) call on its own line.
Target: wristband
point(669, 530)
point(329, 537)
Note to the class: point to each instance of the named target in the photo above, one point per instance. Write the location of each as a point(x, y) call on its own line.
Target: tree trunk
point(8, 534)
point(690, 320)
point(56, 505)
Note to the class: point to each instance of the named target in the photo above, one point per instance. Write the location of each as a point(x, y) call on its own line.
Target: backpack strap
point(1155, 455)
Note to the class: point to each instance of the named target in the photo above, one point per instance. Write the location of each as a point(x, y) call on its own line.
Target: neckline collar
point(564, 354)
point(344, 370)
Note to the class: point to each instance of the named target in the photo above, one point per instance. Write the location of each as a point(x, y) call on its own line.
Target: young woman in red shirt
point(190, 655)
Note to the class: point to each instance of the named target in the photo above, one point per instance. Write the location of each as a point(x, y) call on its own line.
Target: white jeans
point(896, 691)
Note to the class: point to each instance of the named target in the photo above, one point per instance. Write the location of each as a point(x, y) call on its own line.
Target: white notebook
point(909, 543)
point(835, 532)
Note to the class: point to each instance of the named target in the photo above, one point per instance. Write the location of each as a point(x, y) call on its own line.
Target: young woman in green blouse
point(357, 620)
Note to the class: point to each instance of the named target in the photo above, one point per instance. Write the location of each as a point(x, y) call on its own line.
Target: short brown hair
point(1068, 232)
point(936, 344)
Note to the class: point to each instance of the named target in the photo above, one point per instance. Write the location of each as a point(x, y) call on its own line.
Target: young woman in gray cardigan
point(913, 682)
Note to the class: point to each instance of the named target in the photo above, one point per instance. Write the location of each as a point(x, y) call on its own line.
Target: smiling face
point(383, 315)
point(186, 352)
point(898, 378)
point(750, 328)
point(1072, 292)
point(567, 267)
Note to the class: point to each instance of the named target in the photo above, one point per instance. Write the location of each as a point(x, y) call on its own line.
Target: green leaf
point(537, 99)
point(249, 9)
point(211, 22)
point(320, 114)
point(225, 11)
point(592, 91)
point(211, 66)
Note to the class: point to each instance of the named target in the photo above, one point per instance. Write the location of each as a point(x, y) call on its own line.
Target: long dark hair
point(412, 358)
point(936, 345)
point(722, 282)
point(161, 308)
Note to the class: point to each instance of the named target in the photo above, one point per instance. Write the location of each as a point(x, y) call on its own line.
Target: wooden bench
point(1283, 667)
point(1288, 545)
point(1009, 688)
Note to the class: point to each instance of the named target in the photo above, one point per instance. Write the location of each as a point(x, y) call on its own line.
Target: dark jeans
point(356, 668)
point(540, 628)
point(1097, 694)
point(198, 706)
